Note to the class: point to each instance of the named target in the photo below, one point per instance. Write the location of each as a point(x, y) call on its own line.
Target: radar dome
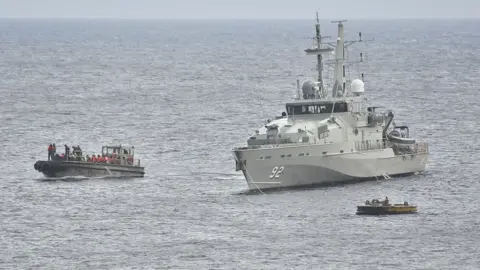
point(357, 86)
point(308, 89)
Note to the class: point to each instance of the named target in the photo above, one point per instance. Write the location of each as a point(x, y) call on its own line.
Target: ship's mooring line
point(254, 183)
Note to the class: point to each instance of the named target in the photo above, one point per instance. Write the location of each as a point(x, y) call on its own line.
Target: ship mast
point(319, 59)
point(318, 50)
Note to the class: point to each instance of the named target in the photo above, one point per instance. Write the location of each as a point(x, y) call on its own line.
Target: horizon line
point(230, 19)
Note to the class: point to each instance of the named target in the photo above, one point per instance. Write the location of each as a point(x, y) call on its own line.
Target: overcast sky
point(240, 9)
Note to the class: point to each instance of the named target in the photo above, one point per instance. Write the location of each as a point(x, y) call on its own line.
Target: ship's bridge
point(316, 107)
point(118, 150)
point(125, 154)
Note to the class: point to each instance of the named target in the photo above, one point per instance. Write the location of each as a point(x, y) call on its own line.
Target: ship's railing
point(258, 142)
point(273, 144)
point(368, 145)
point(295, 139)
point(416, 148)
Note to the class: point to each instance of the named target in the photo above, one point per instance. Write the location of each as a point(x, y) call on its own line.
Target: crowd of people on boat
point(67, 155)
point(111, 159)
point(77, 155)
point(377, 201)
point(386, 202)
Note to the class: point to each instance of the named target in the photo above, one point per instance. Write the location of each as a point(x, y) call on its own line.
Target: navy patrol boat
point(329, 133)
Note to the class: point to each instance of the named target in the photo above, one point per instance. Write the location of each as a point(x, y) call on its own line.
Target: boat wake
point(65, 178)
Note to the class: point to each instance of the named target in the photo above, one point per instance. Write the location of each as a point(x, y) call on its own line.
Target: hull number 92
point(276, 171)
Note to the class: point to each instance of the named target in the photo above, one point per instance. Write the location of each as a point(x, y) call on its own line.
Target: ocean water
point(184, 93)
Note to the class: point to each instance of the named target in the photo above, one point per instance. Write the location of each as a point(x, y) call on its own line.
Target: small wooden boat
point(377, 207)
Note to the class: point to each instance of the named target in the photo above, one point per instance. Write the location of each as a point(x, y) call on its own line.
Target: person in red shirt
point(50, 152)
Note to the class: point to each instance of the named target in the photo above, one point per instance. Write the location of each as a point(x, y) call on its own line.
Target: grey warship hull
point(298, 171)
point(87, 169)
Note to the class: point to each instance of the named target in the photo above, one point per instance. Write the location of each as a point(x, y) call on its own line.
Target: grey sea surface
point(184, 93)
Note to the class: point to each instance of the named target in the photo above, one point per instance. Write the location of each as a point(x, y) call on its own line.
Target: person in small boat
point(54, 150)
point(67, 151)
point(50, 149)
point(78, 150)
point(386, 201)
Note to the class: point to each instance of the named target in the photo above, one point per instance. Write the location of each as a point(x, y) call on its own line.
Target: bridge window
point(317, 108)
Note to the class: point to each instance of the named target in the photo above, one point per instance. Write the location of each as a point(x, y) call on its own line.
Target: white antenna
point(348, 43)
point(298, 89)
